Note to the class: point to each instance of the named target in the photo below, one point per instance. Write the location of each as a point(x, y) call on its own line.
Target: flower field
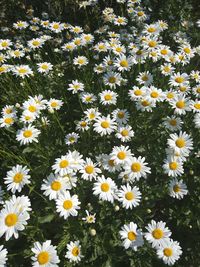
point(100, 135)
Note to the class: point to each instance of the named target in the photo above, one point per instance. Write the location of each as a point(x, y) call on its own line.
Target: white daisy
point(74, 251)
point(89, 170)
point(3, 256)
point(28, 135)
point(104, 125)
point(129, 197)
point(121, 154)
point(177, 189)
point(125, 133)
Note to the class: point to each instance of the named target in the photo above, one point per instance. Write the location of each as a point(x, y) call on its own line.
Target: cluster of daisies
point(119, 72)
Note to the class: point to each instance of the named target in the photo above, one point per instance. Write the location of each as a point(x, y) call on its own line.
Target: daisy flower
point(90, 218)
point(112, 79)
point(181, 143)
point(54, 104)
point(7, 121)
point(121, 116)
point(71, 138)
point(45, 255)
point(177, 189)
point(173, 123)
point(35, 43)
point(105, 189)
point(179, 79)
point(44, 67)
point(21, 203)
point(88, 98)
point(131, 236)
point(170, 251)
point(157, 233)
point(76, 87)
point(129, 197)
point(56, 27)
point(104, 125)
point(154, 94)
point(12, 221)
point(20, 25)
point(121, 154)
point(22, 71)
point(5, 44)
point(108, 97)
point(145, 78)
point(27, 135)
point(180, 104)
point(67, 205)
point(123, 63)
point(17, 178)
point(92, 114)
point(137, 92)
point(89, 170)
point(3, 256)
point(63, 165)
point(74, 252)
point(53, 186)
point(173, 167)
point(125, 133)
point(80, 61)
point(137, 168)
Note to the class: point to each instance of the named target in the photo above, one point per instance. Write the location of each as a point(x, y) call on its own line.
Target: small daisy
point(130, 197)
point(169, 252)
point(125, 133)
point(180, 104)
point(54, 104)
point(177, 189)
point(123, 63)
point(27, 135)
point(63, 165)
point(137, 168)
point(108, 97)
point(131, 236)
point(80, 61)
point(181, 143)
point(45, 255)
point(179, 79)
point(17, 178)
point(76, 87)
point(71, 138)
point(74, 251)
point(121, 154)
point(173, 167)
point(105, 188)
point(56, 27)
point(7, 121)
point(5, 44)
point(92, 114)
point(112, 79)
point(90, 218)
point(145, 78)
point(121, 116)
point(173, 123)
point(35, 43)
point(104, 125)
point(53, 186)
point(22, 71)
point(44, 67)
point(67, 205)
point(12, 221)
point(157, 233)
point(89, 170)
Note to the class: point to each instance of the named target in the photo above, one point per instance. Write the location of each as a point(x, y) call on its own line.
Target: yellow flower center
point(105, 187)
point(32, 108)
point(197, 105)
point(55, 185)
point(81, 61)
point(164, 52)
point(35, 43)
point(43, 257)
point(138, 92)
point(167, 252)
point(145, 103)
point(44, 67)
point(119, 49)
point(140, 13)
point(173, 122)
point(180, 142)
point(22, 71)
point(67, 204)
point(124, 63)
point(166, 69)
point(89, 169)
point(176, 188)
point(27, 133)
point(11, 219)
point(4, 44)
point(54, 104)
point(129, 196)
point(124, 132)
point(83, 124)
point(18, 177)
point(131, 236)
point(111, 162)
point(179, 79)
point(64, 163)
point(105, 124)
point(187, 50)
point(151, 29)
point(180, 104)
point(136, 167)
point(8, 120)
point(170, 95)
point(157, 233)
point(120, 114)
point(152, 43)
point(121, 155)
point(107, 97)
point(56, 26)
point(154, 94)
point(145, 78)
point(75, 251)
point(91, 116)
point(173, 165)
point(112, 79)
